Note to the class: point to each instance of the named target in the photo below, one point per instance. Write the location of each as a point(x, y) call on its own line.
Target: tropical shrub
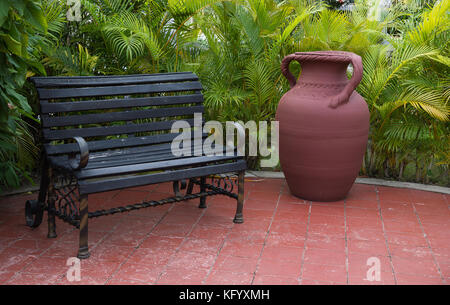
point(406, 84)
point(19, 21)
point(236, 48)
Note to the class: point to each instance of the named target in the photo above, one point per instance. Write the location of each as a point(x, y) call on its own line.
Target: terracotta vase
point(324, 125)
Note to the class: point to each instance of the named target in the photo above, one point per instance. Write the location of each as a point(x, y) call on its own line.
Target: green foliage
point(406, 86)
point(236, 48)
point(19, 20)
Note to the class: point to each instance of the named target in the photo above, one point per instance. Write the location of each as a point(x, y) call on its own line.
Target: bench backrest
point(115, 111)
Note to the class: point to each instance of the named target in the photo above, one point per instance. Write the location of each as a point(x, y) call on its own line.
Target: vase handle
point(352, 58)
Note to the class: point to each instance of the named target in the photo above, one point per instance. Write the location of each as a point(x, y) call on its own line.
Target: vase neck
point(324, 72)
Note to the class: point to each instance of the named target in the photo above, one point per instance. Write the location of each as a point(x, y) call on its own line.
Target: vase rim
point(326, 53)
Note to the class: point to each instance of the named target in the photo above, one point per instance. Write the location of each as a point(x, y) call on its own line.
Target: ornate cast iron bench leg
point(34, 209)
point(202, 189)
point(51, 206)
point(83, 251)
point(239, 218)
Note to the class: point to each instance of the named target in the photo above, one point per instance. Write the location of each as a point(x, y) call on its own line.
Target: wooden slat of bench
point(89, 186)
point(142, 156)
point(85, 81)
point(136, 154)
point(112, 144)
point(122, 159)
point(153, 166)
point(47, 107)
point(134, 159)
point(51, 135)
point(104, 117)
point(46, 94)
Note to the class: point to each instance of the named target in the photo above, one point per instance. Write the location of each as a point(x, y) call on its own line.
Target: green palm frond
point(129, 36)
point(252, 31)
point(259, 79)
point(400, 134)
point(434, 22)
point(66, 62)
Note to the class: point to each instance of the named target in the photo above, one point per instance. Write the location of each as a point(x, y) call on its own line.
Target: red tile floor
point(284, 240)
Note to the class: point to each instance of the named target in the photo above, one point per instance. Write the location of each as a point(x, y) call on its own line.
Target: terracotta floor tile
point(340, 203)
point(335, 274)
point(14, 259)
point(325, 257)
point(359, 277)
point(362, 192)
point(407, 239)
point(138, 272)
point(286, 239)
point(435, 209)
point(124, 238)
point(274, 280)
point(34, 279)
point(282, 235)
point(5, 276)
point(394, 194)
point(367, 247)
point(361, 213)
point(151, 257)
point(240, 248)
point(289, 198)
point(361, 204)
point(214, 220)
point(327, 210)
point(234, 263)
point(282, 253)
point(185, 259)
point(111, 253)
point(410, 252)
point(371, 223)
point(201, 245)
point(181, 276)
point(290, 216)
point(441, 219)
point(402, 226)
point(364, 262)
point(426, 197)
point(331, 231)
point(209, 232)
point(85, 280)
point(98, 270)
point(255, 204)
point(325, 242)
point(281, 227)
point(221, 277)
point(407, 279)
point(414, 266)
point(366, 234)
point(156, 242)
point(255, 215)
point(47, 265)
point(264, 196)
point(309, 282)
point(251, 225)
point(172, 230)
point(279, 268)
point(118, 281)
point(330, 220)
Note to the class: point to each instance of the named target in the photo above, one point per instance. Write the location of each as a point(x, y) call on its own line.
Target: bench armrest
point(84, 155)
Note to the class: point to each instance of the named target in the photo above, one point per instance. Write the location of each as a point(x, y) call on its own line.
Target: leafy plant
point(19, 20)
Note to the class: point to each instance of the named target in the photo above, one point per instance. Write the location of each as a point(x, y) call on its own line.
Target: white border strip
point(280, 175)
point(372, 181)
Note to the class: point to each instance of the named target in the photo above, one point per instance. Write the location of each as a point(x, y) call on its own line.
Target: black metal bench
point(103, 133)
